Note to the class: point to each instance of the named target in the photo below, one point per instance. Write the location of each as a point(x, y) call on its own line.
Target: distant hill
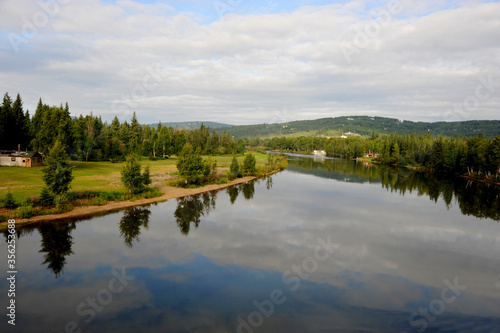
point(194, 124)
point(364, 125)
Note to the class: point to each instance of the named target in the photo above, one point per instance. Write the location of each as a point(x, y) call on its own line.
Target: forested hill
point(193, 125)
point(365, 125)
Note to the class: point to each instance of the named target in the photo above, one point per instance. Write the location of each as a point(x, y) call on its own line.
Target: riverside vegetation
point(66, 141)
point(97, 183)
point(476, 157)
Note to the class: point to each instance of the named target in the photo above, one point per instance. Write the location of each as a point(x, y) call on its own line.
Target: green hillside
point(194, 125)
point(364, 126)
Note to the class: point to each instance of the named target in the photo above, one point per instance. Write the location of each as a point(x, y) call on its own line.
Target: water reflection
point(474, 198)
point(131, 222)
point(248, 190)
point(269, 183)
point(233, 192)
point(190, 209)
point(57, 245)
point(394, 254)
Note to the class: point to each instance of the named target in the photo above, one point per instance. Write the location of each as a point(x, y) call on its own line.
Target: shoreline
point(485, 181)
point(170, 192)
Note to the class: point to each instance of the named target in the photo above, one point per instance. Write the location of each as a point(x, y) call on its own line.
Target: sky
point(248, 62)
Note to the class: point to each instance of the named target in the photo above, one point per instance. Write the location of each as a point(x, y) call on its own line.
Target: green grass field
point(23, 182)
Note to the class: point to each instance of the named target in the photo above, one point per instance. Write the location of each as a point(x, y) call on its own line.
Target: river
point(328, 245)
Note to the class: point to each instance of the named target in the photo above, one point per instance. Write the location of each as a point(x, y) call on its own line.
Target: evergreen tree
point(9, 201)
point(249, 164)
point(59, 173)
point(131, 175)
point(190, 164)
point(146, 177)
point(6, 123)
point(46, 198)
point(135, 135)
point(234, 169)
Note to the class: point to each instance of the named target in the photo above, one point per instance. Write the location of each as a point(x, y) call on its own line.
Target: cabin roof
point(15, 153)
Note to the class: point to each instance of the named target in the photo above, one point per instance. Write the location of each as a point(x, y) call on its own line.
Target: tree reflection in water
point(474, 198)
point(190, 209)
point(56, 244)
point(131, 222)
point(248, 190)
point(233, 192)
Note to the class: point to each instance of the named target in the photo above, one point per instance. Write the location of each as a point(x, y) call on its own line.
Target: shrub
point(9, 201)
point(25, 212)
point(46, 198)
point(61, 201)
point(97, 201)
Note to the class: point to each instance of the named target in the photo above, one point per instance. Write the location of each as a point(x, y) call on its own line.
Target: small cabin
point(25, 159)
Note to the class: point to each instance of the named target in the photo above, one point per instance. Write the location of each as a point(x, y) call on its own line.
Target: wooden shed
point(26, 159)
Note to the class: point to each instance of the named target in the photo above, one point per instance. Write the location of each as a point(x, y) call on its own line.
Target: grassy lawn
point(22, 182)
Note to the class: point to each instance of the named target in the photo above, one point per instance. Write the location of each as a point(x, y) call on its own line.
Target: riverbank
point(170, 192)
point(369, 160)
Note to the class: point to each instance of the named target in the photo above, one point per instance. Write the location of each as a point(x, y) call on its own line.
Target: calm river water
point(328, 245)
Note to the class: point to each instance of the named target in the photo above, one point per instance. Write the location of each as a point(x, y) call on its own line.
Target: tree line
point(473, 198)
point(479, 155)
point(88, 138)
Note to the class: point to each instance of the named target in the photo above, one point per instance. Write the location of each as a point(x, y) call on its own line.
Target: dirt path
point(170, 193)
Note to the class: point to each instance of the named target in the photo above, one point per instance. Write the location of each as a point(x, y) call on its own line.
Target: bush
point(46, 198)
point(9, 201)
point(25, 212)
point(3, 218)
point(97, 201)
point(61, 201)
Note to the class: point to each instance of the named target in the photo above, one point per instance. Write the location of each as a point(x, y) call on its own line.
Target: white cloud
point(246, 68)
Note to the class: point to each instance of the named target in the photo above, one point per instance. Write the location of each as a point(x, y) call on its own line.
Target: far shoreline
point(170, 192)
point(485, 181)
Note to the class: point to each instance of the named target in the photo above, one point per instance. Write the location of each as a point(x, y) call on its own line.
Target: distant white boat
point(319, 152)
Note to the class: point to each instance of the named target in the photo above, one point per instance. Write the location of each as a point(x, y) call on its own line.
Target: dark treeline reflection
point(131, 222)
point(190, 209)
point(474, 198)
point(56, 244)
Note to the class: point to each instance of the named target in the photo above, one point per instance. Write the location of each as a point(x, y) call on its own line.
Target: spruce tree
point(234, 169)
point(59, 173)
point(249, 164)
point(131, 175)
point(9, 201)
point(46, 198)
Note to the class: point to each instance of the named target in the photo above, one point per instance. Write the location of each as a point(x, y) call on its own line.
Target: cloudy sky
point(245, 62)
